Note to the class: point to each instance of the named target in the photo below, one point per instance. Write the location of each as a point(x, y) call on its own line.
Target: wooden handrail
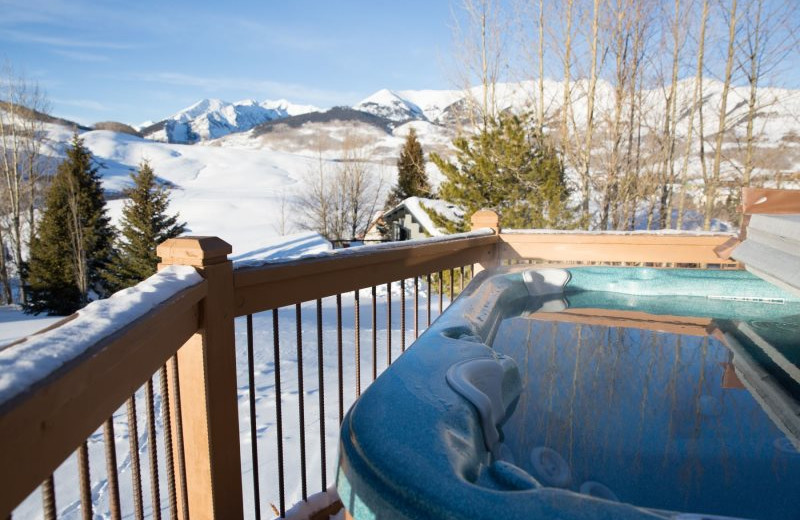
point(275, 285)
point(42, 426)
point(688, 248)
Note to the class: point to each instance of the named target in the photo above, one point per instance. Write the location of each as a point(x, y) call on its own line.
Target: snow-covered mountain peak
point(288, 108)
point(213, 118)
point(388, 104)
point(201, 107)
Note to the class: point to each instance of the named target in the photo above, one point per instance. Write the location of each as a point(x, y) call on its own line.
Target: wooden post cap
point(194, 251)
point(486, 218)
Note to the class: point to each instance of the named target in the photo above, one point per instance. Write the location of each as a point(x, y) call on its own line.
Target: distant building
point(411, 218)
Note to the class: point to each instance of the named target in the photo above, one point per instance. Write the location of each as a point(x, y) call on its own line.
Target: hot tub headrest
point(493, 386)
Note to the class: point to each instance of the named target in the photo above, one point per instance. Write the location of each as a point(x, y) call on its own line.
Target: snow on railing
point(32, 360)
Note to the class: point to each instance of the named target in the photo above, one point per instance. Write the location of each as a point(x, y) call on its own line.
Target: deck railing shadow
point(168, 375)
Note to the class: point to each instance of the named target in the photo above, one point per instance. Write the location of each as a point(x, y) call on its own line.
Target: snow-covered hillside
point(235, 193)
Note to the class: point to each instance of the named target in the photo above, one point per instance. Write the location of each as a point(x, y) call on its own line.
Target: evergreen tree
point(72, 246)
point(509, 168)
point(145, 224)
point(412, 181)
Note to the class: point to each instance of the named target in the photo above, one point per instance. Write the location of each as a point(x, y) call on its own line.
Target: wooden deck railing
point(189, 342)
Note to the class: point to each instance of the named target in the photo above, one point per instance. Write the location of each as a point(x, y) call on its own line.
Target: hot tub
point(587, 393)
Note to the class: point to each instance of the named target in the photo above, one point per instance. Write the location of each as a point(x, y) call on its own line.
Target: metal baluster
point(301, 400)
point(179, 439)
point(441, 291)
point(136, 472)
point(111, 468)
point(374, 335)
point(167, 424)
point(462, 280)
point(320, 372)
point(388, 324)
point(339, 355)
point(152, 449)
point(278, 414)
point(49, 499)
point(416, 307)
point(357, 320)
point(428, 283)
point(253, 435)
point(84, 477)
point(452, 285)
point(403, 315)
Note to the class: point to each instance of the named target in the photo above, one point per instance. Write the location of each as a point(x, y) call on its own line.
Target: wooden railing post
point(481, 219)
point(207, 383)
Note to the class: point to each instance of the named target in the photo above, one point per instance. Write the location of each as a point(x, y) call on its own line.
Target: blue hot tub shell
point(413, 446)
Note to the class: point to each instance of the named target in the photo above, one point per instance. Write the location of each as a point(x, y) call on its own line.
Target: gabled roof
point(420, 208)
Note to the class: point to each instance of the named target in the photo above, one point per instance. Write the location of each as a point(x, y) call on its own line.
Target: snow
point(665, 232)
point(389, 105)
point(419, 207)
point(316, 502)
point(214, 118)
point(293, 246)
point(15, 324)
point(38, 356)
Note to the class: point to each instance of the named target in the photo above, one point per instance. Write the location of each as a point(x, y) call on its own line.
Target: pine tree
point(412, 181)
point(510, 168)
point(72, 247)
point(145, 224)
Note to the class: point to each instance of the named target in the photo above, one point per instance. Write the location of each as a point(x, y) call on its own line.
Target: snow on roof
point(419, 207)
point(23, 364)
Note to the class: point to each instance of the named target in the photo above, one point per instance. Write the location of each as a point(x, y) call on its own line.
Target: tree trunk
point(587, 152)
point(713, 186)
point(696, 98)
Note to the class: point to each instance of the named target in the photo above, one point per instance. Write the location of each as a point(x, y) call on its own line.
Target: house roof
point(420, 208)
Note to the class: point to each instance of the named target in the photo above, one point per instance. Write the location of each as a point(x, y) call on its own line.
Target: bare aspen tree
point(481, 42)
point(586, 169)
point(313, 203)
point(284, 225)
point(768, 32)
point(712, 183)
point(670, 124)
point(360, 187)
point(696, 100)
point(624, 83)
point(540, 116)
point(338, 203)
point(754, 44)
point(22, 107)
point(567, 65)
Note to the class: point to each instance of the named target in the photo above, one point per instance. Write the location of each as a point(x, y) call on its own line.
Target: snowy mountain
point(389, 105)
point(214, 118)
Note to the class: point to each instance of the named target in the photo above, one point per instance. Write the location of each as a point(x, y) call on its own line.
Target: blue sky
point(135, 61)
